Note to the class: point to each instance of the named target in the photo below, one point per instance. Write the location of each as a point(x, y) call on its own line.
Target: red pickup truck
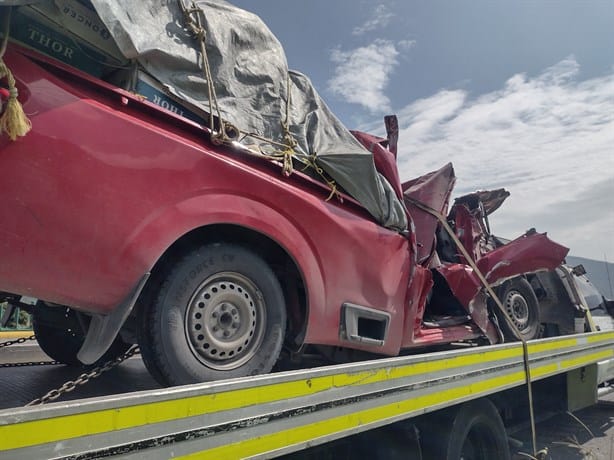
point(124, 223)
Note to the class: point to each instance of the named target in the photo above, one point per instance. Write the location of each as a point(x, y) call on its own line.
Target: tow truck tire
point(219, 313)
point(60, 335)
point(473, 431)
point(522, 307)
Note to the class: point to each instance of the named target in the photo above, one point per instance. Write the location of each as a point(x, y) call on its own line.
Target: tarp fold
point(252, 83)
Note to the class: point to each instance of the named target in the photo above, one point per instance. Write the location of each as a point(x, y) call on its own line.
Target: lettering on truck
point(50, 43)
point(167, 105)
point(87, 22)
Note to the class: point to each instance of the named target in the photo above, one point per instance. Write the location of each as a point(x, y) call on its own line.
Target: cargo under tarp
point(251, 80)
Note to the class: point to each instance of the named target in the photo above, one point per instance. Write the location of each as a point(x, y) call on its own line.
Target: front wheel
point(219, 313)
point(521, 307)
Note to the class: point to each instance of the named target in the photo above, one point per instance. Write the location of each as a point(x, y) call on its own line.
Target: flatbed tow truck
point(272, 415)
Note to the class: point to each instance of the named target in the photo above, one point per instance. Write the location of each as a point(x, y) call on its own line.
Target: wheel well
point(280, 261)
point(555, 305)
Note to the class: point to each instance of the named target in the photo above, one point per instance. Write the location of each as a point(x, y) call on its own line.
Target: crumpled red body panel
point(491, 199)
point(526, 254)
point(433, 190)
point(385, 161)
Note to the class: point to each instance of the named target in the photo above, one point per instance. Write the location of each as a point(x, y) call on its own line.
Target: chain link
point(24, 364)
point(71, 385)
point(30, 363)
point(8, 343)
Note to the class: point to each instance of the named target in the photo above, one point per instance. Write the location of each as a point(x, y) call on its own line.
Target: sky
point(515, 94)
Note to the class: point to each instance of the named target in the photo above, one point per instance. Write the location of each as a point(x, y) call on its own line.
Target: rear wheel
point(60, 334)
point(521, 307)
point(219, 313)
point(474, 431)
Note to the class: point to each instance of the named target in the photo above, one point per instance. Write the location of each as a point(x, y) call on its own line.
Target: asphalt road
point(588, 434)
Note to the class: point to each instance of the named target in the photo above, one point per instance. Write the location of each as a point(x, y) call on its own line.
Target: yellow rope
point(192, 18)
point(13, 120)
point(284, 150)
point(334, 192)
point(525, 348)
point(289, 140)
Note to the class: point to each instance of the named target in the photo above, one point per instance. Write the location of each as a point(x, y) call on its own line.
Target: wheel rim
point(517, 309)
point(225, 321)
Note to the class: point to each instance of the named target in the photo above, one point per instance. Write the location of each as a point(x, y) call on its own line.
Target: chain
point(71, 385)
point(24, 364)
point(19, 340)
point(29, 363)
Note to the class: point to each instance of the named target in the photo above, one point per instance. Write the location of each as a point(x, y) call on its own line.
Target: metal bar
point(279, 413)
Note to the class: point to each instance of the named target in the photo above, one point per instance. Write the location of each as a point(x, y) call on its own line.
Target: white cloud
point(406, 45)
point(549, 139)
point(380, 18)
point(361, 74)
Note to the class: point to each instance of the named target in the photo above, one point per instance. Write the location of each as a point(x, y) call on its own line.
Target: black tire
point(219, 313)
point(474, 431)
point(521, 306)
point(60, 334)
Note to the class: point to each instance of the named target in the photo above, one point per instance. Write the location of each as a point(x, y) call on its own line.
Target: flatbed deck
point(124, 411)
point(20, 385)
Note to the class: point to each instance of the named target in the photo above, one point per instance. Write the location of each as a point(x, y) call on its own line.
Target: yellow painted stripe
point(569, 342)
point(551, 346)
point(604, 336)
point(55, 429)
point(301, 434)
point(277, 440)
point(566, 364)
point(35, 432)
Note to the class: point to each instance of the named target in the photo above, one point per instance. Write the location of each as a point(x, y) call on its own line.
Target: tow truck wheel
point(60, 334)
point(219, 313)
point(474, 431)
point(522, 307)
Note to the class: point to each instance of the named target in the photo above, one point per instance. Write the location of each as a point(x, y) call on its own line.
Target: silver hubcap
point(517, 309)
point(225, 320)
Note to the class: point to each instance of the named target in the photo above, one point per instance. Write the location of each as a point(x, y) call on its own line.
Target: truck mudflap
point(529, 253)
point(104, 328)
point(271, 415)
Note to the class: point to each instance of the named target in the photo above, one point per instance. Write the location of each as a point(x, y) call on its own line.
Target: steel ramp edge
point(270, 415)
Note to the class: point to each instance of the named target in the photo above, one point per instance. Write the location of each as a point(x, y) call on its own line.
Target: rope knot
point(13, 93)
point(217, 138)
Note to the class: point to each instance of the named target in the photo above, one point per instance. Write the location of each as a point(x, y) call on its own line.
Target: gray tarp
point(339, 153)
point(250, 73)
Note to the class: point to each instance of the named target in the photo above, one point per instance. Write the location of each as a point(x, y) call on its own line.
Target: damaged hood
point(527, 254)
point(491, 199)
